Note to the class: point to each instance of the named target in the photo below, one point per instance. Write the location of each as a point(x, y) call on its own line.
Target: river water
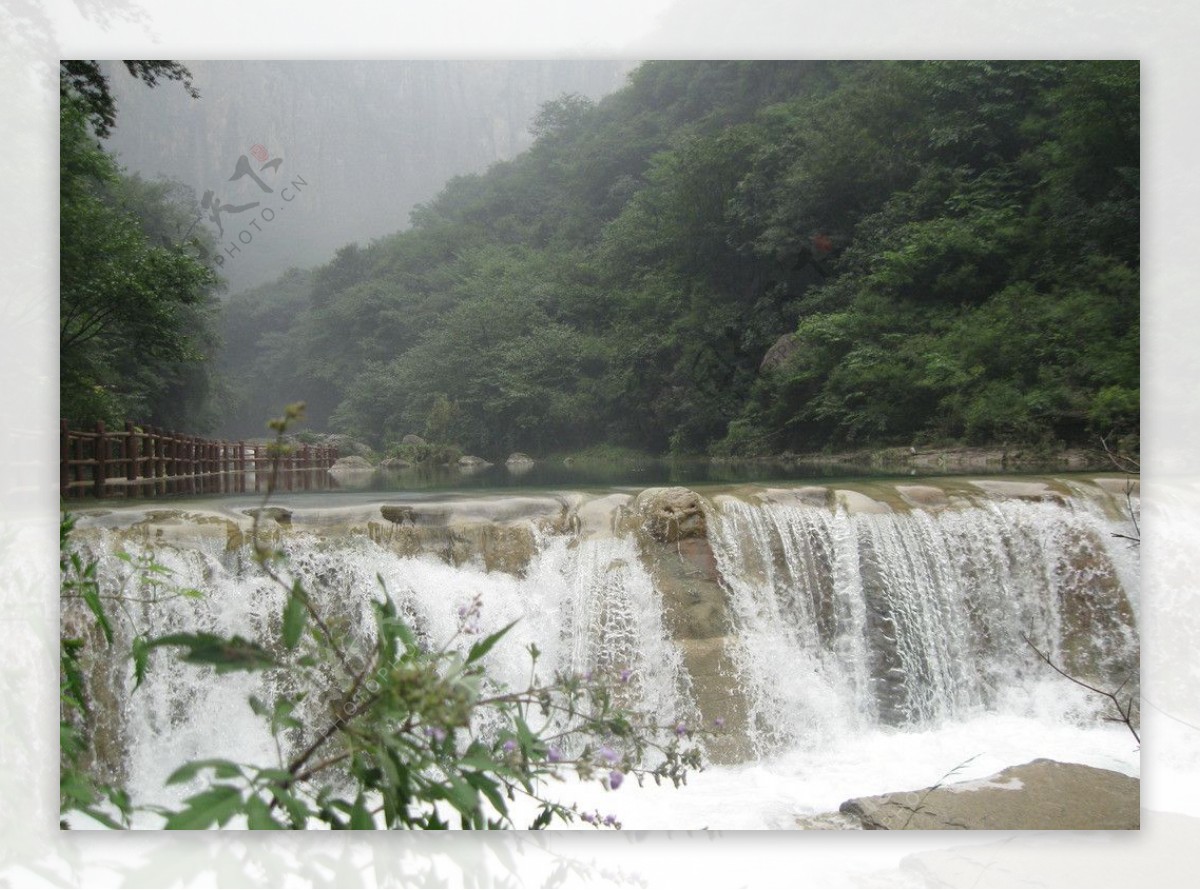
point(852, 637)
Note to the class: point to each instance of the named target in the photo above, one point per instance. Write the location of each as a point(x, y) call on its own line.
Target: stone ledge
point(1040, 795)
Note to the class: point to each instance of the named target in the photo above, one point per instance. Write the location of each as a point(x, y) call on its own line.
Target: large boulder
point(518, 463)
point(352, 463)
point(781, 350)
point(347, 445)
point(413, 439)
point(1042, 794)
point(470, 460)
point(671, 514)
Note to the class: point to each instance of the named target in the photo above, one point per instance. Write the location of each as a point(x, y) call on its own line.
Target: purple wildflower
point(554, 755)
point(681, 728)
point(610, 819)
point(509, 746)
point(608, 754)
point(436, 733)
point(719, 723)
point(615, 778)
point(625, 675)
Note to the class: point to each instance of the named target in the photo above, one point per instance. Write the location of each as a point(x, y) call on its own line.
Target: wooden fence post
point(133, 448)
point(101, 456)
point(160, 461)
point(64, 459)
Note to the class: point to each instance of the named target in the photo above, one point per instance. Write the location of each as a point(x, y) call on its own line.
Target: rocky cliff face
point(368, 140)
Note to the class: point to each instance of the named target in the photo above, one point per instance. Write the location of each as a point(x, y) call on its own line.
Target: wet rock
point(857, 502)
point(519, 458)
point(718, 697)
point(671, 514)
point(394, 463)
point(345, 445)
point(1042, 794)
point(1120, 485)
point(399, 514)
point(470, 460)
point(281, 515)
point(1024, 490)
point(923, 495)
point(352, 462)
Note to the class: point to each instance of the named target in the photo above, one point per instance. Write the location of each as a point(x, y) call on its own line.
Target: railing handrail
point(144, 460)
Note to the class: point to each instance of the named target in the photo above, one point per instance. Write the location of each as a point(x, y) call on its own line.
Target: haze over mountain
point(361, 142)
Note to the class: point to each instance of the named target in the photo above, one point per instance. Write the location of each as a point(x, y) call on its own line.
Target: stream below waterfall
point(849, 639)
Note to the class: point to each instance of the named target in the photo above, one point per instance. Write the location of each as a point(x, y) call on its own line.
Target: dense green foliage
point(936, 251)
point(137, 307)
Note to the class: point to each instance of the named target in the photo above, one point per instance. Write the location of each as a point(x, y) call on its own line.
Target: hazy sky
point(347, 147)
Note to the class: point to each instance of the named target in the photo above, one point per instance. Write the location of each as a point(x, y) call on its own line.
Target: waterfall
point(915, 618)
point(840, 620)
point(587, 605)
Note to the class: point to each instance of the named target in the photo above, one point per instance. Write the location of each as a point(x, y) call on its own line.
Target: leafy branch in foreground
point(379, 727)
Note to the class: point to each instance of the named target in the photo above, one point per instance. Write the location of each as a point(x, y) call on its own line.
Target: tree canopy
point(137, 306)
point(751, 257)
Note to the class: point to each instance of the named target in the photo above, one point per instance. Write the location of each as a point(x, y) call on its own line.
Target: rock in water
point(671, 514)
point(1042, 794)
point(353, 462)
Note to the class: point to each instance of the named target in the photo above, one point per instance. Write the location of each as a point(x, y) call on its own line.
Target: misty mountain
point(346, 148)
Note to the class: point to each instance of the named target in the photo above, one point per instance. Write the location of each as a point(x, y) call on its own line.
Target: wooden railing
point(149, 462)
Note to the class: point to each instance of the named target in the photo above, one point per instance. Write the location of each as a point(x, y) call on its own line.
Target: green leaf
point(222, 769)
point(91, 596)
point(484, 646)
point(360, 818)
point(258, 815)
point(216, 805)
point(282, 715)
point(543, 819)
point(295, 614)
point(525, 736)
point(296, 808)
point(232, 654)
point(490, 790)
point(103, 818)
point(462, 796)
point(140, 652)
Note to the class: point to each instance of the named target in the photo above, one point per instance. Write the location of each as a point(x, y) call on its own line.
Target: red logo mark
point(260, 153)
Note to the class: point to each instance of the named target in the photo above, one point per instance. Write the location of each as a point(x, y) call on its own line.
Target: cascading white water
point(846, 628)
point(852, 620)
point(588, 605)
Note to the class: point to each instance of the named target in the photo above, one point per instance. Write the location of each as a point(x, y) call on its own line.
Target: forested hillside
point(138, 305)
point(744, 258)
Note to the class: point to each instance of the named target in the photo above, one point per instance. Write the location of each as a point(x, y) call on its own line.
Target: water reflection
point(641, 473)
